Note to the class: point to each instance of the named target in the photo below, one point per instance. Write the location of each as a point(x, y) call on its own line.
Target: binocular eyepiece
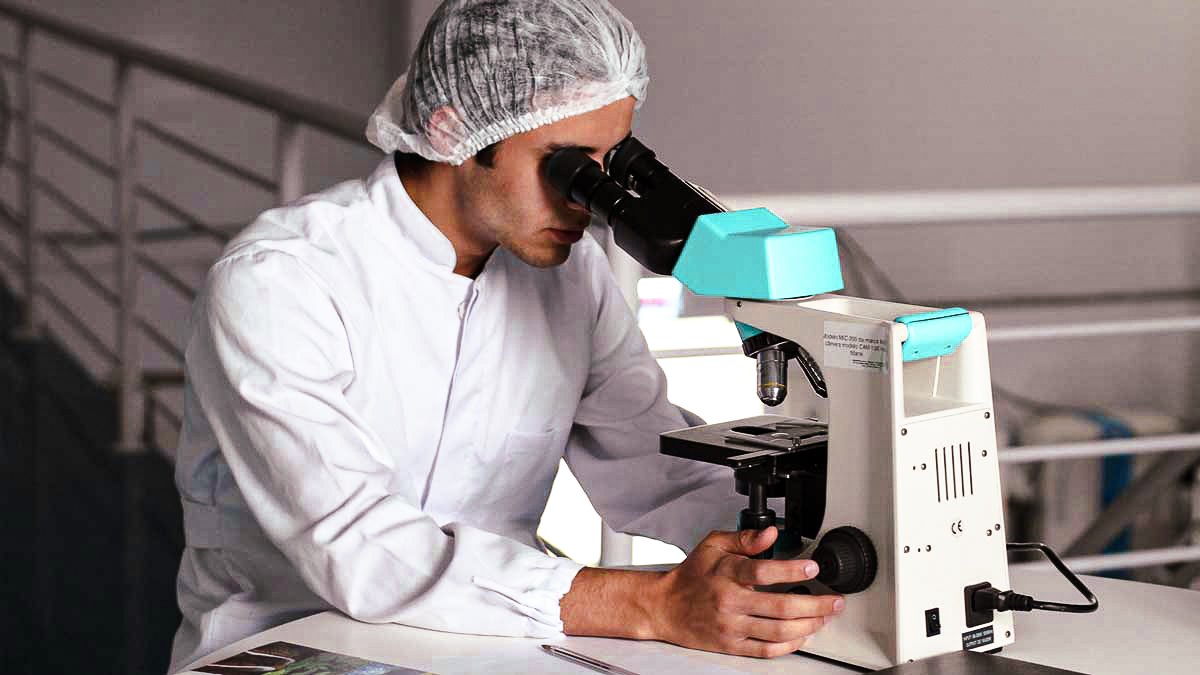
point(650, 209)
point(651, 212)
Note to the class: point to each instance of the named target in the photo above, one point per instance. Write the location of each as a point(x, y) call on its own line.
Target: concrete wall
point(801, 97)
point(779, 96)
point(783, 96)
point(345, 56)
point(826, 96)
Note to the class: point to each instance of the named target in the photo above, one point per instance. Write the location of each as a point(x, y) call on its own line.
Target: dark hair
point(409, 162)
point(486, 157)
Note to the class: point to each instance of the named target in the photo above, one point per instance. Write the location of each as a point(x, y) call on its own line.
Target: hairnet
point(489, 69)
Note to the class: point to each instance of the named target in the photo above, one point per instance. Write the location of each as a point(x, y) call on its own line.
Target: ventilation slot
point(937, 474)
point(953, 471)
point(971, 468)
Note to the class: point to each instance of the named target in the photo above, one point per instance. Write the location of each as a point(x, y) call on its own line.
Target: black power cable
point(994, 599)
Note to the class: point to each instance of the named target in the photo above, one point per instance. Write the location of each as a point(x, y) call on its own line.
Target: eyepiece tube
point(575, 175)
point(580, 179)
point(636, 168)
point(652, 225)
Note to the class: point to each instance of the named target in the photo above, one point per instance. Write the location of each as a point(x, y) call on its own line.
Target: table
point(1139, 628)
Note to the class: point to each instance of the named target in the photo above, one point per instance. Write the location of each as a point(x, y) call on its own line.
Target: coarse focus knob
point(847, 560)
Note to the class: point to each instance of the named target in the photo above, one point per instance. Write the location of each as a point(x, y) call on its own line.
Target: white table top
point(1139, 628)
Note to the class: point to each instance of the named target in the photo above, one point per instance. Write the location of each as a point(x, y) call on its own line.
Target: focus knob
point(847, 560)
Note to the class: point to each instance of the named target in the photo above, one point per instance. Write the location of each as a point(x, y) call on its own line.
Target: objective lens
point(772, 376)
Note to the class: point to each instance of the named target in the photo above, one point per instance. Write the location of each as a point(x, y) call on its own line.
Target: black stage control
point(847, 560)
point(933, 622)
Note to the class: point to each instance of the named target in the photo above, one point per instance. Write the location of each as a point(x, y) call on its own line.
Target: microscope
point(896, 495)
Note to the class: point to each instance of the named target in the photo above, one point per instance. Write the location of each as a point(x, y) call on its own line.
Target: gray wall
point(832, 96)
point(805, 97)
point(784, 96)
point(835, 96)
point(343, 56)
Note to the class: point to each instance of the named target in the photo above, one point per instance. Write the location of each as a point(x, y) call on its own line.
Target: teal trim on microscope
point(935, 333)
point(746, 331)
point(753, 254)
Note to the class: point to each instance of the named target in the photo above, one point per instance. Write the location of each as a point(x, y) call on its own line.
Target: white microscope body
point(912, 463)
point(908, 456)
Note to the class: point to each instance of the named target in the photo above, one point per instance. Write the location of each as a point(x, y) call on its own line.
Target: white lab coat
point(369, 432)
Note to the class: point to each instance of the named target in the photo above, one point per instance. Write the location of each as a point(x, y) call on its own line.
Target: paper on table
point(285, 658)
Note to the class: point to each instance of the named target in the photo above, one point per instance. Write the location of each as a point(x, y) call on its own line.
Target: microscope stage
point(746, 442)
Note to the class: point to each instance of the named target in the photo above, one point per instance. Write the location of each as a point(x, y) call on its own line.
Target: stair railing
point(139, 407)
point(135, 388)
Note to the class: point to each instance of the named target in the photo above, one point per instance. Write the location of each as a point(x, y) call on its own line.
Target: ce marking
point(956, 528)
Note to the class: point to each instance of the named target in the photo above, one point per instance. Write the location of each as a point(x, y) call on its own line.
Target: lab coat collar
point(387, 193)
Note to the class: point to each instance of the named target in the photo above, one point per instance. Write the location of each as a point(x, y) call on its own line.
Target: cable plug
point(994, 599)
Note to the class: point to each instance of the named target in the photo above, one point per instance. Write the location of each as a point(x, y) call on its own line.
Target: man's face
point(512, 204)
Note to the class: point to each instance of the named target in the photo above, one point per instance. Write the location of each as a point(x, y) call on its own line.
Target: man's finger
point(767, 572)
point(768, 650)
point(782, 630)
point(744, 542)
point(789, 605)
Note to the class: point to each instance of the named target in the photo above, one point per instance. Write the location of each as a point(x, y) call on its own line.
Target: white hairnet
point(488, 69)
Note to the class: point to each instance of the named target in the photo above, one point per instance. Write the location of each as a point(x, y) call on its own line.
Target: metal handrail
point(145, 235)
point(164, 343)
point(872, 210)
point(1120, 561)
point(69, 315)
point(70, 206)
point(1094, 329)
point(164, 378)
point(56, 239)
point(13, 220)
point(10, 257)
point(330, 119)
point(183, 145)
point(166, 411)
point(75, 150)
point(1093, 298)
point(1015, 334)
point(72, 263)
point(182, 287)
point(1137, 445)
point(979, 206)
point(68, 89)
point(177, 211)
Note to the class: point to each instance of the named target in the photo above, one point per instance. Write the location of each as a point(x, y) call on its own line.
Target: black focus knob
point(847, 560)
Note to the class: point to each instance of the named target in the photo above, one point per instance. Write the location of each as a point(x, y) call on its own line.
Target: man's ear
point(445, 130)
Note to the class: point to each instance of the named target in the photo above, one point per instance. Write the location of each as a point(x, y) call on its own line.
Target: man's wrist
point(613, 603)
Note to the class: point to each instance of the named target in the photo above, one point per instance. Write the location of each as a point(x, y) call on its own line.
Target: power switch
point(933, 622)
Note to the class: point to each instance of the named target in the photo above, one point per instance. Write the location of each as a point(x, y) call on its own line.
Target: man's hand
point(707, 602)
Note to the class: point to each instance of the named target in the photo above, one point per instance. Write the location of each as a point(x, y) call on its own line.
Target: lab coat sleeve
point(269, 360)
point(613, 449)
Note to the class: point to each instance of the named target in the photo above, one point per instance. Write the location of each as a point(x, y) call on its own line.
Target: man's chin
point(542, 256)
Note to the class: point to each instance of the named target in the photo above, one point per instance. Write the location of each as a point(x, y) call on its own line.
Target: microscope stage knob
point(847, 560)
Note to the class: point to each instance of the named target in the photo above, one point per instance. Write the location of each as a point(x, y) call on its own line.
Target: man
point(383, 377)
